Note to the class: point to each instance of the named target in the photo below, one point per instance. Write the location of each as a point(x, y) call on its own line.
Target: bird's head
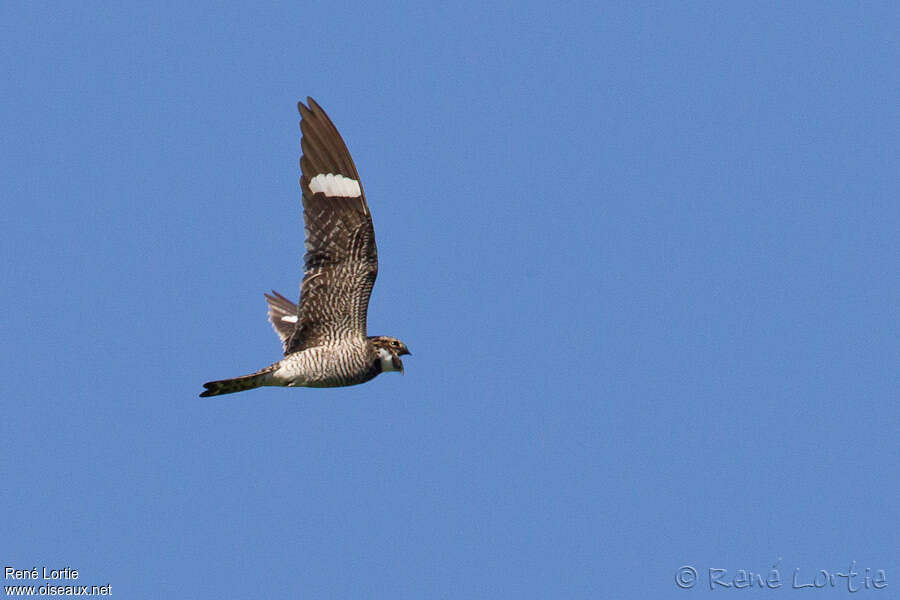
point(389, 352)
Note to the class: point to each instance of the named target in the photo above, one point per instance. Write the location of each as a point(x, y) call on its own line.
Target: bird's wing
point(282, 315)
point(341, 260)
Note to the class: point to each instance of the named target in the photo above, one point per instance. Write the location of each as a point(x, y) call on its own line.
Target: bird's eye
point(395, 343)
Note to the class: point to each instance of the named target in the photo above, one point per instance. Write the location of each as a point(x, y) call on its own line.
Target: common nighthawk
point(324, 339)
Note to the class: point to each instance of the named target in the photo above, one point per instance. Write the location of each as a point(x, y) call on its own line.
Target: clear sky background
point(646, 260)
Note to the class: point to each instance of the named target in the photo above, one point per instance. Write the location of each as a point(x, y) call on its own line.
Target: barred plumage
point(324, 337)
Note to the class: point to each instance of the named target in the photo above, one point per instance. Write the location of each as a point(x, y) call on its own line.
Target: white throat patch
point(335, 185)
point(387, 361)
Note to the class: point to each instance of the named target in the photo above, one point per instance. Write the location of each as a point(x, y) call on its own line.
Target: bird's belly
point(327, 382)
point(325, 367)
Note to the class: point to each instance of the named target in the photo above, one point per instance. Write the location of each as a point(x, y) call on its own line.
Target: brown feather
point(341, 261)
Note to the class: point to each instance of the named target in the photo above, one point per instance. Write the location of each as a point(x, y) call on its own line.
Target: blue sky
point(646, 260)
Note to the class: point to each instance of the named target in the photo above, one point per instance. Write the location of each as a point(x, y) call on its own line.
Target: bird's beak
point(398, 363)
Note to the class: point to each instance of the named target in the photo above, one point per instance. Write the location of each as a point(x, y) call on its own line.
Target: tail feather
point(237, 384)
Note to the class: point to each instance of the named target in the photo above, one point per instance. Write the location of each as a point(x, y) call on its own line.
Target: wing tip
point(311, 106)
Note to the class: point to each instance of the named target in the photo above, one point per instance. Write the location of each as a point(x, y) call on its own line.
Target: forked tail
point(238, 384)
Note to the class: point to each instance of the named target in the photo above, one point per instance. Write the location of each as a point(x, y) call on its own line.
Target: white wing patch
point(289, 318)
point(335, 185)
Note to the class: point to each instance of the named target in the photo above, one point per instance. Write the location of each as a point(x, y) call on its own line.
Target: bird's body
point(324, 338)
point(346, 363)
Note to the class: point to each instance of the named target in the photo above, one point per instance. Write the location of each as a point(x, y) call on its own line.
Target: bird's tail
point(238, 384)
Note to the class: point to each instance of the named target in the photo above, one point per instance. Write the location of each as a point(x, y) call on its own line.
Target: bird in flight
point(324, 337)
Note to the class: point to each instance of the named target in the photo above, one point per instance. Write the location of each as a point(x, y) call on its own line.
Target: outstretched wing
point(282, 316)
point(341, 260)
